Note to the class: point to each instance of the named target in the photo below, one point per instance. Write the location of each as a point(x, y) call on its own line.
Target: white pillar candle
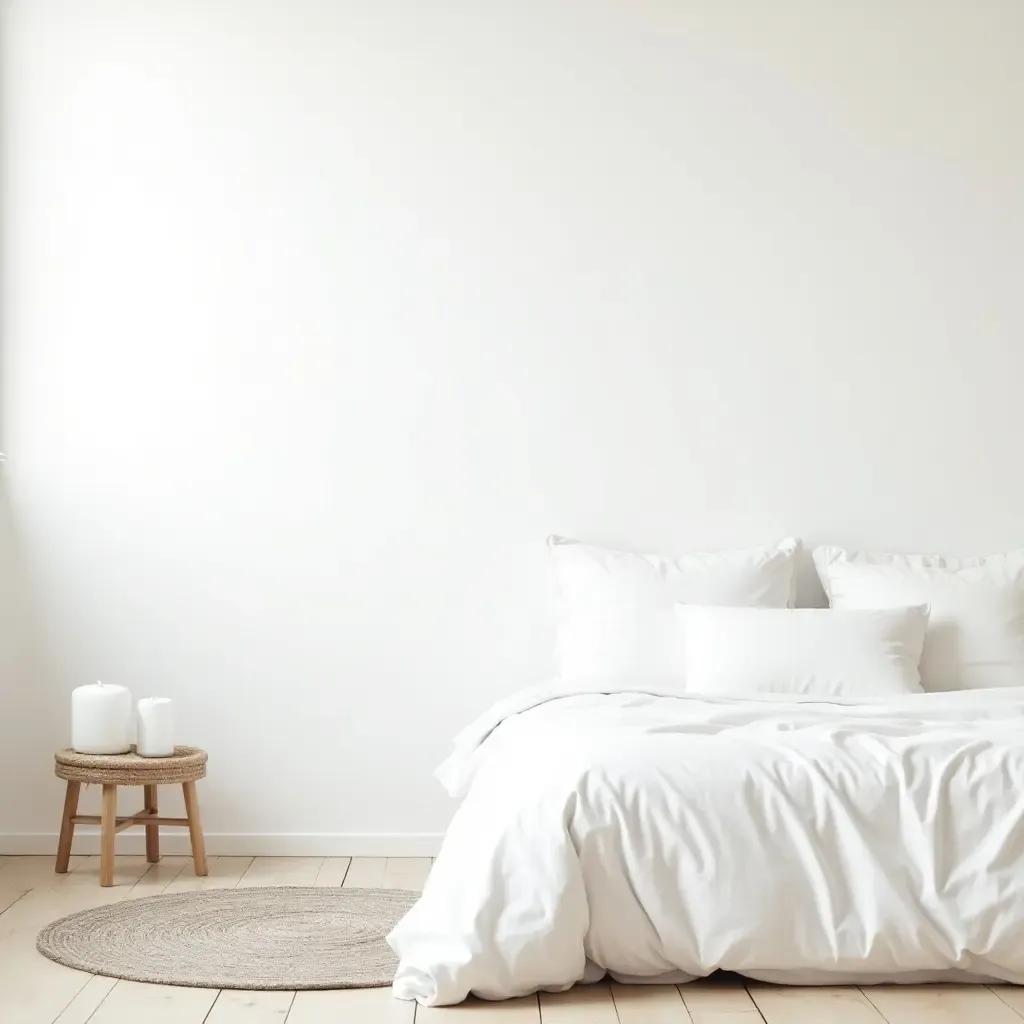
point(101, 719)
point(156, 727)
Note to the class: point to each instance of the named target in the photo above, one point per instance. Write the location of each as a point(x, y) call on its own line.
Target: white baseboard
point(239, 844)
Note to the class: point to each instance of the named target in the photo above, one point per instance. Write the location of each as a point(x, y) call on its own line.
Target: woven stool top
point(186, 764)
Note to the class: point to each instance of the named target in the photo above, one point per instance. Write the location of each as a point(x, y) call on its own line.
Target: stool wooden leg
point(67, 827)
point(195, 827)
point(108, 825)
point(152, 831)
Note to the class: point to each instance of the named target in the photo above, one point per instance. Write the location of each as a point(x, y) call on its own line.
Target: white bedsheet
point(662, 838)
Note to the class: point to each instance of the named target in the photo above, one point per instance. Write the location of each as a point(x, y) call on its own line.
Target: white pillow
point(976, 631)
point(809, 651)
point(615, 610)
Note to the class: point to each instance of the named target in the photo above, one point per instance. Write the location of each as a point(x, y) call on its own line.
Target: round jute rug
point(284, 937)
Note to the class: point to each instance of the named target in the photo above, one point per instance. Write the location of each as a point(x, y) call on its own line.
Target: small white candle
point(156, 727)
point(101, 719)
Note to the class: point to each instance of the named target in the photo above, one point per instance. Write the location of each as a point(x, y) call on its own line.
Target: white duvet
point(660, 838)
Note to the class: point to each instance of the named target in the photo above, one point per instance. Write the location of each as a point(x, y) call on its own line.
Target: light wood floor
point(34, 990)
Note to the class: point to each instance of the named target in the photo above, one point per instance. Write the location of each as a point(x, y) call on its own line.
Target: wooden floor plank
point(235, 1007)
point(34, 872)
point(281, 871)
point(127, 871)
point(133, 1001)
point(351, 1006)
point(939, 1004)
point(332, 871)
point(33, 988)
point(366, 873)
point(781, 1004)
point(225, 873)
point(718, 1001)
point(582, 1004)
point(649, 1004)
point(1012, 995)
point(159, 876)
point(478, 1011)
point(406, 873)
point(8, 897)
point(84, 1005)
point(750, 1016)
point(728, 1017)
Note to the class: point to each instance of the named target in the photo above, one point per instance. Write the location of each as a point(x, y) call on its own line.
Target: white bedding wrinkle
point(660, 838)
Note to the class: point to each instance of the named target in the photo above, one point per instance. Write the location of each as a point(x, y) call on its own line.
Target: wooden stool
point(185, 766)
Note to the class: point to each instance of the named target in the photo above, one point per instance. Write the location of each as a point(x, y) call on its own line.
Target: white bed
point(660, 838)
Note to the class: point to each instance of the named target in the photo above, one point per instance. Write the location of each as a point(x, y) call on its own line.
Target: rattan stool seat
point(186, 764)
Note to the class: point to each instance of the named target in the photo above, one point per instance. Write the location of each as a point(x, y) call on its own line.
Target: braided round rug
point(282, 937)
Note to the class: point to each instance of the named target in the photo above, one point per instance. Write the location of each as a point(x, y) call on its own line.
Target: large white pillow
point(615, 609)
point(976, 631)
point(806, 651)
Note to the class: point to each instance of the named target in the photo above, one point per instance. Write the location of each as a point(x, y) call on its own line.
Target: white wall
point(320, 316)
